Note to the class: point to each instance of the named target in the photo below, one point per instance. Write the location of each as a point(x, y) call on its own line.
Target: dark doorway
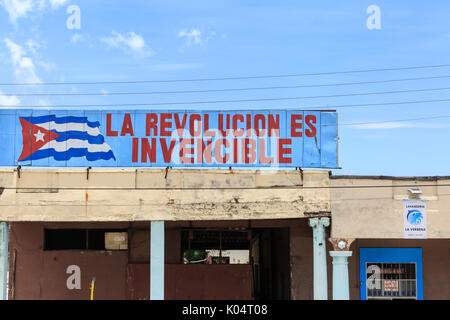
point(270, 264)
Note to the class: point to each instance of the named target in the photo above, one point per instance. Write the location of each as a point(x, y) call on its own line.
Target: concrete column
point(320, 257)
point(4, 240)
point(340, 274)
point(157, 260)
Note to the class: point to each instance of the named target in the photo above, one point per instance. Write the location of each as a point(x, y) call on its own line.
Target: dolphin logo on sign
point(414, 216)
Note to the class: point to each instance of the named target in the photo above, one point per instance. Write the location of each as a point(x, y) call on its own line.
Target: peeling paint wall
point(377, 211)
point(157, 194)
point(39, 274)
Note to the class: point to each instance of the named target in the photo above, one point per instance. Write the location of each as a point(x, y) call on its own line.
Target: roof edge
point(377, 177)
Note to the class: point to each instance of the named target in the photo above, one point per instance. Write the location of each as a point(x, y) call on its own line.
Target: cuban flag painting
point(62, 138)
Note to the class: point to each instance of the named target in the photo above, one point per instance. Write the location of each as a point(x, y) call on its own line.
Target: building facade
point(385, 262)
point(220, 234)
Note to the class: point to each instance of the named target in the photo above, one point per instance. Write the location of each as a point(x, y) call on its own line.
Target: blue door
point(391, 273)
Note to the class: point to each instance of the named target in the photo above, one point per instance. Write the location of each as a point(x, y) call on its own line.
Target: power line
point(231, 101)
point(227, 78)
point(226, 89)
point(388, 121)
point(445, 116)
point(330, 96)
point(391, 121)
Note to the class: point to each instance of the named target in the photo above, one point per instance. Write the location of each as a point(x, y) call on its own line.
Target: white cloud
point(8, 101)
point(17, 8)
point(23, 66)
point(129, 42)
point(22, 8)
point(58, 3)
point(47, 66)
point(76, 37)
point(193, 36)
point(32, 45)
point(15, 50)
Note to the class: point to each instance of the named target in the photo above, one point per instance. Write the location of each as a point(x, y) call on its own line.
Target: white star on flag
point(39, 136)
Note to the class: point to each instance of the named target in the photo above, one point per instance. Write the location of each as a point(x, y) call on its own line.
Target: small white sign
point(414, 219)
point(390, 285)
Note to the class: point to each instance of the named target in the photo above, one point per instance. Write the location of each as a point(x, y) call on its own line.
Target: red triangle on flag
point(34, 137)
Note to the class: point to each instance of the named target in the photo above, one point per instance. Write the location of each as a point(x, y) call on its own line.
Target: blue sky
point(158, 40)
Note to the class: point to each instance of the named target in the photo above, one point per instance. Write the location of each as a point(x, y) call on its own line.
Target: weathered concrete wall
point(42, 274)
point(154, 194)
point(435, 262)
point(377, 211)
point(301, 247)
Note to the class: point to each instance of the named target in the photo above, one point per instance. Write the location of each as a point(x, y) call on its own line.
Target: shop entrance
point(269, 251)
point(218, 262)
point(391, 273)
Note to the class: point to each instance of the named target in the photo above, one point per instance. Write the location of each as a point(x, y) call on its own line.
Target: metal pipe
point(4, 239)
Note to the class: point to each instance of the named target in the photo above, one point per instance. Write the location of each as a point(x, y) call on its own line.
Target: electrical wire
point(231, 101)
point(388, 121)
point(224, 90)
point(227, 78)
point(445, 116)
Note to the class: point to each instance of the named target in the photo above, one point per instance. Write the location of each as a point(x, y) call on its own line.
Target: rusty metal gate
point(391, 281)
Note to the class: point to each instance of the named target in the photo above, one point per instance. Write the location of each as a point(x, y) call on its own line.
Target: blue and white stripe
point(78, 137)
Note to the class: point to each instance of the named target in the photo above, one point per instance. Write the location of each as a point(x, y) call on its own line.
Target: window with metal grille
point(391, 281)
point(217, 246)
point(76, 239)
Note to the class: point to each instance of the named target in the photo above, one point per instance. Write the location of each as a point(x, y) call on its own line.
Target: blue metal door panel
point(390, 255)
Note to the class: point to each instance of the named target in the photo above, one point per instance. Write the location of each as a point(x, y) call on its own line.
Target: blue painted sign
point(141, 138)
